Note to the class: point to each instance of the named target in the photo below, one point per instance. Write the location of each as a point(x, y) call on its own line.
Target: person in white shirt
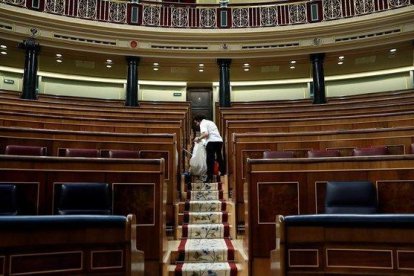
point(214, 144)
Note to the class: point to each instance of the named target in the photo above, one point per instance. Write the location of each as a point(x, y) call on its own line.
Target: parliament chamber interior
point(313, 100)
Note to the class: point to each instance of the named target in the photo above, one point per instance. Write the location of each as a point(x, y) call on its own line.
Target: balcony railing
point(180, 15)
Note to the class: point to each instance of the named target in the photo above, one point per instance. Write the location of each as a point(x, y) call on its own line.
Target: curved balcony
point(196, 16)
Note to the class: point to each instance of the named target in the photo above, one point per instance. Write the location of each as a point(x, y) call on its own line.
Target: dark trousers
point(213, 150)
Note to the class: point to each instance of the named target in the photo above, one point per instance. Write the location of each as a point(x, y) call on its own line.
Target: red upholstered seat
point(123, 154)
point(277, 154)
point(25, 150)
point(370, 151)
point(74, 152)
point(323, 153)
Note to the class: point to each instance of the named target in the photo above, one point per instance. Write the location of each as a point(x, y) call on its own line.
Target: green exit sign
point(177, 94)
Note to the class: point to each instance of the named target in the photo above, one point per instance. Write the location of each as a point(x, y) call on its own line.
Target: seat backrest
point(370, 151)
point(354, 197)
point(83, 198)
point(412, 148)
point(25, 150)
point(74, 152)
point(323, 153)
point(122, 154)
point(277, 154)
point(8, 200)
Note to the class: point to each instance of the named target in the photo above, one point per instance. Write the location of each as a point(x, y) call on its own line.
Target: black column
point(132, 82)
point(318, 78)
point(30, 68)
point(224, 89)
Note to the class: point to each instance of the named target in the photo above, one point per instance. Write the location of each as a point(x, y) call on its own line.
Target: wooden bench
point(121, 114)
point(383, 120)
point(252, 145)
point(39, 121)
point(312, 112)
point(154, 145)
point(96, 102)
point(353, 100)
point(298, 186)
point(379, 244)
point(76, 244)
point(137, 187)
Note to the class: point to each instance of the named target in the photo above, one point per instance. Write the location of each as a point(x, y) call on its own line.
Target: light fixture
point(58, 55)
point(393, 51)
point(340, 62)
point(292, 61)
point(292, 67)
point(341, 57)
point(246, 65)
point(109, 63)
point(246, 69)
point(3, 46)
point(59, 60)
point(155, 68)
point(156, 64)
point(201, 67)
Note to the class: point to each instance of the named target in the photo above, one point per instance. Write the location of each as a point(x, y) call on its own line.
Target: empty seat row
point(70, 199)
point(369, 151)
point(70, 152)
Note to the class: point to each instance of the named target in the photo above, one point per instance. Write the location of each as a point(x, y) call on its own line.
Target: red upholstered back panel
point(123, 154)
point(25, 150)
point(370, 151)
point(323, 153)
point(277, 154)
point(72, 152)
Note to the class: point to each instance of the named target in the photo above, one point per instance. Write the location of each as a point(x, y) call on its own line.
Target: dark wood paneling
point(311, 174)
point(107, 259)
point(137, 188)
point(48, 262)
point(359, 258)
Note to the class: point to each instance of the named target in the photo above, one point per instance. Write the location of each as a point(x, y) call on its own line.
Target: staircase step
point(205, 225)
point(218, 269)
point(204, 195)
point(205, 250)
point(205, 217)
point(205, 186)
point(205, 206)
point(206, 231)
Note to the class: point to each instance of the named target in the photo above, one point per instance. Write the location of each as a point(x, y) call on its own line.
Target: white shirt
point(211, 129)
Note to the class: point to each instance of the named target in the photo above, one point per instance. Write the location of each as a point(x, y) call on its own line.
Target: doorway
point(201, 103)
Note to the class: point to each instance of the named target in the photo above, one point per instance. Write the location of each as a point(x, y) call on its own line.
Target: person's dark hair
point(199, 118)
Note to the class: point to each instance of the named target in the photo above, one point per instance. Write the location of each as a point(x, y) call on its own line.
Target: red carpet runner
point(206, 247)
